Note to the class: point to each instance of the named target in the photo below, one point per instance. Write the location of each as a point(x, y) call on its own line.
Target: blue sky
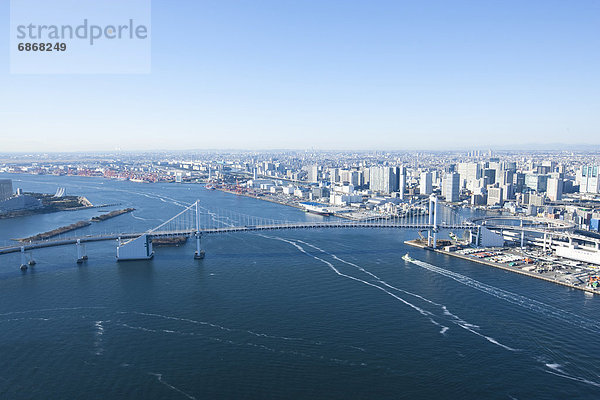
point(328, 75)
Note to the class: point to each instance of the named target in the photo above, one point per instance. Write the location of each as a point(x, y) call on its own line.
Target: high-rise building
point(536, 182)
point(313, 173)
point(469, 172)
point(6, 189)
point(588, 180)
point(519, 182)
point(555, 189)
point(426, 183)
point(451, 187)
point(351, 177)
point(495, 196)
point(508, 191)
point(334, 175)
point(383, 179)
point(490, 174)
point(507, 177)
point(401, 181)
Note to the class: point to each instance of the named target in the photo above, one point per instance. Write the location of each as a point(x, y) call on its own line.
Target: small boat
point(406, 257)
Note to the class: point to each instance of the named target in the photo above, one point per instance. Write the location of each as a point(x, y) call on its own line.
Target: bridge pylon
point(433, 221)
point(24, 263)
point(199, 253)
point(81, 253)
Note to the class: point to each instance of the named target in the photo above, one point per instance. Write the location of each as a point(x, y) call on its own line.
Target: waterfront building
point(495, 196)
point(18, 203)
point(6, 189)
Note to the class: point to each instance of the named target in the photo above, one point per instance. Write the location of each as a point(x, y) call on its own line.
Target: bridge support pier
point(522, 239)
point(199, 253)
point(545, 238)
point(23, 261)
point(81, 253)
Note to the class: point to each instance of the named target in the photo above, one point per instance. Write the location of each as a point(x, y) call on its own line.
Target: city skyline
point(333, 75)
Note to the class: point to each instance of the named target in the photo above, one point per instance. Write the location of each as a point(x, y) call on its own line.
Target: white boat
point(406, 257)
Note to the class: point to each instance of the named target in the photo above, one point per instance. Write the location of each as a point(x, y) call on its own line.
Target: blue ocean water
point(316, 314)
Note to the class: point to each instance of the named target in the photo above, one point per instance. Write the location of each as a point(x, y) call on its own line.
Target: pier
point(417, 243)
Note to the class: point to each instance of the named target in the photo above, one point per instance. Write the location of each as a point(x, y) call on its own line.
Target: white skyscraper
point(402, 181)
point(469, 172)
point(426, 183)
point(554, 189)
point(495, 196)
point(451, 187)
point(313, 173)
point(588, 180)
point(383, 179)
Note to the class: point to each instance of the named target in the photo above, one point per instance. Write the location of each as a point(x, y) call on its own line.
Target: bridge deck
point(246, 228)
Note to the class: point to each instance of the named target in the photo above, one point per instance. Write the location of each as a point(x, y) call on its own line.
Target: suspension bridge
point(195, 221)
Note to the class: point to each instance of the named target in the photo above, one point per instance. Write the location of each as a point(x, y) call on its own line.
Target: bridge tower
point(199, 254)
point(433, 221)
point(81, 253)
point(24, 262)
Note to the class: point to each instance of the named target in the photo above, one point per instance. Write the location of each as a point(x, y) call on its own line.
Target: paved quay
point(417, 243)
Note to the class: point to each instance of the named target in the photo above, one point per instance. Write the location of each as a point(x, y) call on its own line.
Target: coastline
point(416, 243)
point(258, 198)
point(279, 202)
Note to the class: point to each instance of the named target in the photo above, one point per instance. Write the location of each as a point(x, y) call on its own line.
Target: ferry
point(316, 208)
point(408, 258)
point(324, 213)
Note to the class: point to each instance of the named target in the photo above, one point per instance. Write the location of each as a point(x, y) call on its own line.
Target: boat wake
point(159, 377)
point(387, 288)
point(269, 348)
point(99, 326)
point(556, 369)
point(513, 298)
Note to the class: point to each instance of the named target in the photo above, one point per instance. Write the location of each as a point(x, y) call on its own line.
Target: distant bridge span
point(196, 221)
point(229, 229)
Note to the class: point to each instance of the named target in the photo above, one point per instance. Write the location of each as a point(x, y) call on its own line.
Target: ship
point(316, 208)
point(325, 212)
point(408, 258)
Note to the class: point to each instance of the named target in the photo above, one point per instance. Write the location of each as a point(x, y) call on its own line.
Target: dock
point(417, 243)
